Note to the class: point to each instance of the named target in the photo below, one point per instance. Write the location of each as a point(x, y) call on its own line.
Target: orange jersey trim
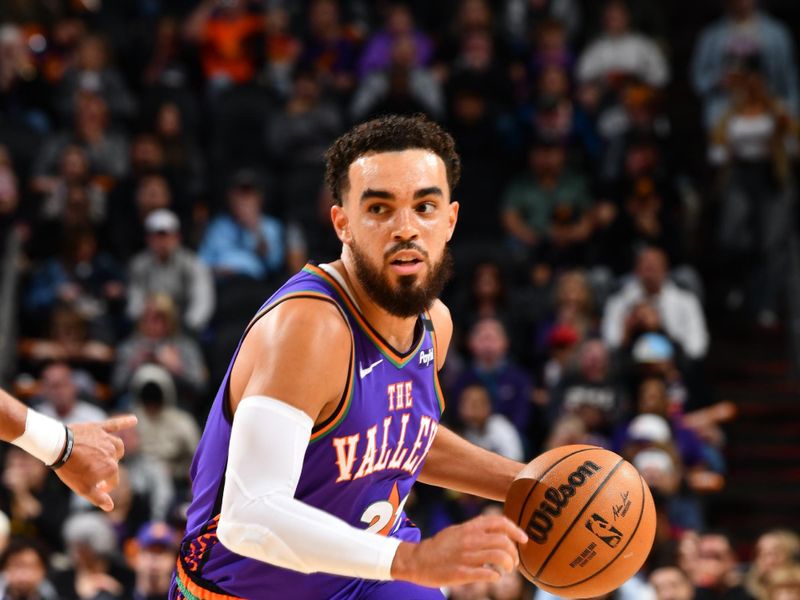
point(396, 359)
point(194, 591)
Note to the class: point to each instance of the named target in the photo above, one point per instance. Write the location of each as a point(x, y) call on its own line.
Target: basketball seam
point(535, 485)
point(611, 562)
point(578, 516)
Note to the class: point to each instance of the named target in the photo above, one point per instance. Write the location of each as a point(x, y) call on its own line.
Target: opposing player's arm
point(86, 455)
point(290, 373)
point(453, 462)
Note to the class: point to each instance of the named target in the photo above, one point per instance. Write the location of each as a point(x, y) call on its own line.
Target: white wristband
point(44, 437)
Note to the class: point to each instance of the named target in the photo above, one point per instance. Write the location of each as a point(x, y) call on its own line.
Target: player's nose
point(405, 225)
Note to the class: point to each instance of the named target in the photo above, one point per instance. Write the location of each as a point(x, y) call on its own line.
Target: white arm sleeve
point(260, 516)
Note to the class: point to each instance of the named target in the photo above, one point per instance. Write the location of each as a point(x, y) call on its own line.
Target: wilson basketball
point(589, 517)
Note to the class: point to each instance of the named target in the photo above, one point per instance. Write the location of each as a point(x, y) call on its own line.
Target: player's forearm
point(456, 464)
point(12, 417)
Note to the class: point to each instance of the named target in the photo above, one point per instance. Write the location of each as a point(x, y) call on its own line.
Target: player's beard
point(410, 296)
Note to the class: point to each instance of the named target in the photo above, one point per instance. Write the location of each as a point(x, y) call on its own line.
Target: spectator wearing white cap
point(167, 267)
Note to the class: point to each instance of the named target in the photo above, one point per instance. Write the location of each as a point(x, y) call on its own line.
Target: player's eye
point(426, 207)
point(377, 209)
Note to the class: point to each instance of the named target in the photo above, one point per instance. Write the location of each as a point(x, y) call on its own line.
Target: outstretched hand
point(93, 469)
point(482, 549)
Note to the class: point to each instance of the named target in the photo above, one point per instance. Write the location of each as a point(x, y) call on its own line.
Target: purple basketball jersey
point(359, 466)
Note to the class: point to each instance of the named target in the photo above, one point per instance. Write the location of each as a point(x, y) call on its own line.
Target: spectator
point(728, 44)
point(753, 143)
point(5, 532)
point(107, 149)
point(655, 457)
point(671, 583)
point(550, 47)
point(473, 123)
point(381, 47)
point(81, 277)
point(484, 428)
point(68, 340)
point(330, 48)
point(154, 560)
point(182, 159)
point(774, 550)
point(298, 137)
point(93, 71)
point(23, 572)
point(35, 501)
point(74, 171)
point(158, 339)
point(60, 399)
point(167, 67)
point(402, 87)
point(574, 308)
point(148, 477)
point(9, 193)
point(169, 434)
point(149, 192)
point(130, 512)
point(230, 39)
point(592, 393)
point(784, 583)
point(488, 295)
point(244, 242)
point(167, 267)
point(547, 208)
point(717, 576)
point(282, 49)
point(509, 386)
point(23, 94)
point(96, 572)
point(680, 310)
point(619, 54)
point(652, 399)
point(477, 64)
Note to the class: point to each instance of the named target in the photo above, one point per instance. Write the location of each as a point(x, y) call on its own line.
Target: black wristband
point(62, 460)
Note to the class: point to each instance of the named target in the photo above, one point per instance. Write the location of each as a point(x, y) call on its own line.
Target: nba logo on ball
point(590, 520)
point(611, 535)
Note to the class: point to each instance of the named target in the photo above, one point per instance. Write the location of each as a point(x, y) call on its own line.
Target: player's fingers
point(501, 542)
point(499, 560)
point(119, 447)
point(100, 498)
point(501, 524)
point(481, 573)
point(119, 423)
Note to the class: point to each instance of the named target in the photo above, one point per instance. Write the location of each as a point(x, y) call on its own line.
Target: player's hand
point(93, 471)
point(482, 549)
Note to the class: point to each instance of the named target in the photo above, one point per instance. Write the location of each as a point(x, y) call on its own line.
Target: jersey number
point(382, 515)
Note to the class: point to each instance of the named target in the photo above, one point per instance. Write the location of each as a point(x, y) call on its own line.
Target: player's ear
point(452, 218)
point(341, 224)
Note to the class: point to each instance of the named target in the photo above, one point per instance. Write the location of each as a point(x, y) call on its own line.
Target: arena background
point(161, 173)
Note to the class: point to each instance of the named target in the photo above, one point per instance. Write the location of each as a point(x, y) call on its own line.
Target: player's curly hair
point(390, 133)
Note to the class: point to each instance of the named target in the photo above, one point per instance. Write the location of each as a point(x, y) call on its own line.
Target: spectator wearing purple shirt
point(399, 24)
point(509, 385)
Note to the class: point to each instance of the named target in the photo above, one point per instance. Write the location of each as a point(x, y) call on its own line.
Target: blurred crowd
point(161, 173)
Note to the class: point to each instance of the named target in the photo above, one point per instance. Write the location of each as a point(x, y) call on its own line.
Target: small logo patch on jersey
point(363, 372)
point(426, 357)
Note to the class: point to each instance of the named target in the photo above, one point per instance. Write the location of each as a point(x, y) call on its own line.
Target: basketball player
point(329, 410)
point(85, 456)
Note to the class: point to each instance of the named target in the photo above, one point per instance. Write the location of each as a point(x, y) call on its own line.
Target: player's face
point(395, 222)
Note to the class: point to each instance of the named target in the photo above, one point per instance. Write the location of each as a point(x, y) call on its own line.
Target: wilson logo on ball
point(541, 521)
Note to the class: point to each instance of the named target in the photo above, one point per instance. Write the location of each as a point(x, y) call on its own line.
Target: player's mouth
point(407, 263)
